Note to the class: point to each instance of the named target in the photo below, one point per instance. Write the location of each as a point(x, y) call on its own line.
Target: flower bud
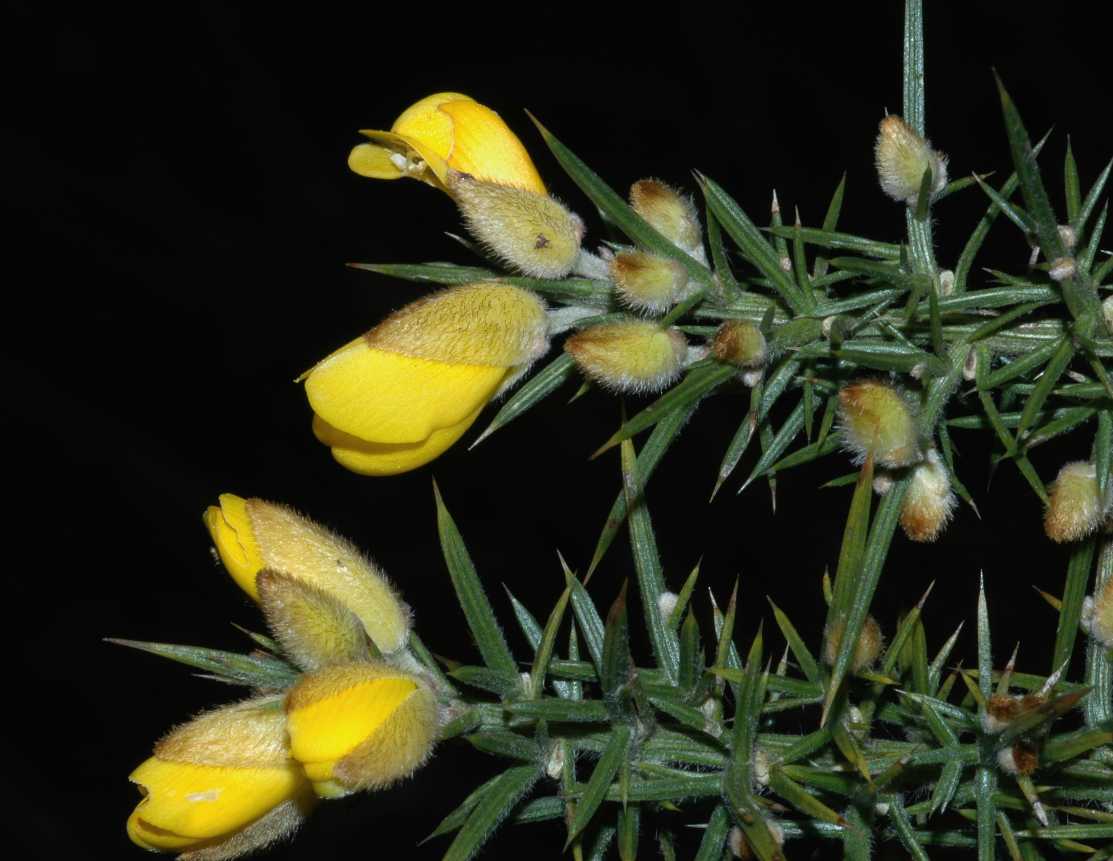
point(741, 343)
point(646, 282)
point(877, 417)
point(1075, 509)
point(221, 785)
point(629, 356)
point(251, 534)
point(1002, 709)
point(1020, 758)
point(442, 132)
point(866, 650)
point(902, 159)
point(397, 397)
point(670, 213)
point(531, 232)
point(929, 502)
point(1097, 614)
point(360, 726)
point(1107, 311)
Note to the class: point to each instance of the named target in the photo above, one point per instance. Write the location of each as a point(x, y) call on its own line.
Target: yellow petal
point(326, 729)
point(377, 458)
point(485, 147)
point(202, 801)
point(147, 836)
point(373, 161)
point(385, 397)
point(230, 528)
point(426, 121)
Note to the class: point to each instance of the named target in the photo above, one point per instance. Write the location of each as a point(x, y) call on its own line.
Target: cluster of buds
point(361, 716)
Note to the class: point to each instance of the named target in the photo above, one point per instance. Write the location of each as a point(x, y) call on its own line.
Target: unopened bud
point(647, 282)
point(671, 213)
point(531, 232)
point(1076, 508)
point(554, 765)
point(930, 502)
point(629, 356)
point(866, 649)
point(946, 282)
point(1002, 709)
point(740, 847)
point(903, 157)
point(1062, 268)
point(877, 417)
point(1068, 235)
point(1020, 758)
point(741, 343)
point(1097, 614)
point(666, 603)
point(760, 768)
point(970, 366)
point(1107, 311)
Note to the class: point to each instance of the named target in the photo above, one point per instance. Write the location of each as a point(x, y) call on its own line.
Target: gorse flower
point(443, 132)
point(221, 785)
point(397, 397)
point(252, 535)
point(360, 726)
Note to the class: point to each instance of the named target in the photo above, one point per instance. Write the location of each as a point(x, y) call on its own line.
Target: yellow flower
point(252, 535)
point(359, 726)
point(221, 785)
point(442, 132)
point(397, 397)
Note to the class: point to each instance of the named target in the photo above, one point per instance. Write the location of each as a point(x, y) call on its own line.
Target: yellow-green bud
point(529, 231)
point(629, 356)
point(1107, 311)
point(902, 159)
point(671, 213)
point(866, 650)
point(741, 343)
point(647, 282)
point(1097, 614)
point(876, 417)
point(929, 502)
point(1075, 509)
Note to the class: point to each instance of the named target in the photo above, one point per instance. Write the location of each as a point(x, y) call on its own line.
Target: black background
point(182, 212)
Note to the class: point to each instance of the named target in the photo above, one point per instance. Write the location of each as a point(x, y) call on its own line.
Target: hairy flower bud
point(531, 232)
point(671, 213)
point(1097, 614)
point(1002, 709)
point(1107, 311)
point(1076, 508)
point(400, 395)
point(903, 157)
point(741, 343)
point(647, 282)
point(1020, 758)
point(360, 726)
point(221, 785)
point(877, 417)
point(629, 356)
point(866, 650)
point(442, 132)
point(930, 502)
point(251, 535)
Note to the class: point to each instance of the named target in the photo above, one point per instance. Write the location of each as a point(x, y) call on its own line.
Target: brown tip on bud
point(629, 356)
point(740, 343)
point(876, 417)
point(1002, 709)
point(1062, 268)
point(671, 213)
point(1022, 758)
point(866, 651)
point(531, 232)
point(647, 282)
point(1075, 509)
point(929, 503)
point(1107, 311)
point(902, 158)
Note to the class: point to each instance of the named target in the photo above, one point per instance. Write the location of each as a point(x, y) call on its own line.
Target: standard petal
point(385, 397)
point(486, 148)
point(202, 801)
point(374, 458)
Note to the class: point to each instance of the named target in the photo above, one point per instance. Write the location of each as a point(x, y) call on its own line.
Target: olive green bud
point(741, 343)
point(1075, 508)
point(671, 213)
point(646, 282)
point(876, 417)
point(902, 159)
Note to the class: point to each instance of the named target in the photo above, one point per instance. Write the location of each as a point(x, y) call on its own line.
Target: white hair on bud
point(666, 603)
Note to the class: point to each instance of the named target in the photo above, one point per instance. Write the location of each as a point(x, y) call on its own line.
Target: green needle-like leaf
point(800, 651)
point(714, 836)
point(471, 595)
point(601, 777)
point(548, 641)
point(258, 670)
point(507, 790)
point(540, 386)
point(1047, 381)
point(1074, 593)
